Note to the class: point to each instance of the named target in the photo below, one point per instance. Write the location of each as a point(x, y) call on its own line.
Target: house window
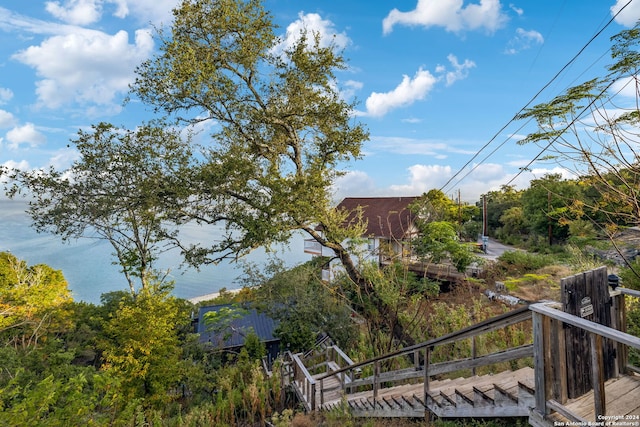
point(371, 245)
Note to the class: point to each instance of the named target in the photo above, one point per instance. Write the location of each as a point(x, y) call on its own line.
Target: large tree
point(280, 130)
point(117, 190)
point(280, 127)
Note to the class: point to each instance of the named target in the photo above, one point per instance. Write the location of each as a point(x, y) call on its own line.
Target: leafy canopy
point(279, 125)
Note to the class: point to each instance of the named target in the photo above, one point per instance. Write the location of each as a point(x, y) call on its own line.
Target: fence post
point(473, 353)
point(597, 374)
point(538, 363)
point(376, 378)
point(427, 362)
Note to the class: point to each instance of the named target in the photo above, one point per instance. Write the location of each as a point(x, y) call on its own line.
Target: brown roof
point(387, 217)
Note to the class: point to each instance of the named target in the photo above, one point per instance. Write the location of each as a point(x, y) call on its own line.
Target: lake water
point(87, 263)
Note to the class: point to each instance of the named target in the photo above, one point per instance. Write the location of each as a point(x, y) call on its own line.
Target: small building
point(390, 227)
point(235, 322)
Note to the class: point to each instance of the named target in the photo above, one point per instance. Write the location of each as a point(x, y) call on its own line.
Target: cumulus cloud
point(452, 15)
point(77, 12)
point(88, 67)
point(354, 184)
point(406, 93)
point(629, 16)
point(423, 178)
point(417, 88)
point(523, 40)
point(312, 24)
point(26, 134)
point(6, 119)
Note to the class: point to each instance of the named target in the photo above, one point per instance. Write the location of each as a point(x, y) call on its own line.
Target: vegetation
point(280, 131)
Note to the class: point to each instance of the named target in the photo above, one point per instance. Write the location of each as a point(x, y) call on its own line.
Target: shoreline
point(206, 297)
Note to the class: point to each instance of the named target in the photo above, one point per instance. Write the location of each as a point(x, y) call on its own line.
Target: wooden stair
point(506, 394)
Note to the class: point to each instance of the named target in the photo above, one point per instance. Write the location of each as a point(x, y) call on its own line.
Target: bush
point(524, 262)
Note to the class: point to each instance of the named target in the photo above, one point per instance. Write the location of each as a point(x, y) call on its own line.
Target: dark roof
point(244, 319)
point(387, 217)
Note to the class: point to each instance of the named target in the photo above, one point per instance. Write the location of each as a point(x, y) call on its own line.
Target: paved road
point(495, 249)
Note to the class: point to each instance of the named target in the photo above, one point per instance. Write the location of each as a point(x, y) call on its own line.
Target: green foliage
point(438, 241)
point(303, 303)
point(545, 204)
point(282, 126)
point(141, 346)
point(119, 190)
point(33, 302)
point(523, 262)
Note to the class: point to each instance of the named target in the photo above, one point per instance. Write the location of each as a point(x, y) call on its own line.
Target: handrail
point(303, 369)
point(343, 355)
point(587, 325)
point(545, 374)
point(506, 319)
point(308, 385)
point(630, 292)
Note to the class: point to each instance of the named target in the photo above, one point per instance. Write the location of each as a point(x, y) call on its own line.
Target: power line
point(568, 126)
point(596, 35)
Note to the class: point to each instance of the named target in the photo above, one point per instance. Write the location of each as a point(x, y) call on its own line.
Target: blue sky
point(435, 80)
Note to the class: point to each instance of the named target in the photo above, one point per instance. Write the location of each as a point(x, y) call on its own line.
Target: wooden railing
point(422, 368)
point(550, 360)
point(305, 384)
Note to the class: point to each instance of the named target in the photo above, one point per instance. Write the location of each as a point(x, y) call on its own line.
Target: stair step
point(483, 397)
point(462, 399)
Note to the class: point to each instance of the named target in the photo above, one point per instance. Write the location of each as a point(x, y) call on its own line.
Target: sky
point(436, 82)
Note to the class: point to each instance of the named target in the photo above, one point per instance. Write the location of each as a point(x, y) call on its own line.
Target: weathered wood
point(586, 295)
point(376, 378)
point(597, 374)
point(587, 325)
point(562, 410)
point(539, 363)
point(490, 359)
point(558, 362)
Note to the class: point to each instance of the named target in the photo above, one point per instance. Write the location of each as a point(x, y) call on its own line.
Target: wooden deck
point(623, 404)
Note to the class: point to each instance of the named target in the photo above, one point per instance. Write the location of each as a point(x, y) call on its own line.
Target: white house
point(390, 227)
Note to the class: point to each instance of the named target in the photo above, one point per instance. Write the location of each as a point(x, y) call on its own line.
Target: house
point(231, 325)
point(390, 227)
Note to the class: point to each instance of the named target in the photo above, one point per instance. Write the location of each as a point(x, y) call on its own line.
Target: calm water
point(87, 263)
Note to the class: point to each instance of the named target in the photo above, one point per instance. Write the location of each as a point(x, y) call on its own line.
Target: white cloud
point(449, 14)
point(354, 184)
point(12, 164)
point(416, 88)
point(63, 159)
point(5, 95)
point(519, 11)
point(311, 24)
point(629, 16)
point(84, 12)
point(627, 87)
point(523, 40)
point(77, 12)
point(88, 67)
point(6, 119)
point(26, 134)
point(423, 178)
point(460, 71)
point(406, 93)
